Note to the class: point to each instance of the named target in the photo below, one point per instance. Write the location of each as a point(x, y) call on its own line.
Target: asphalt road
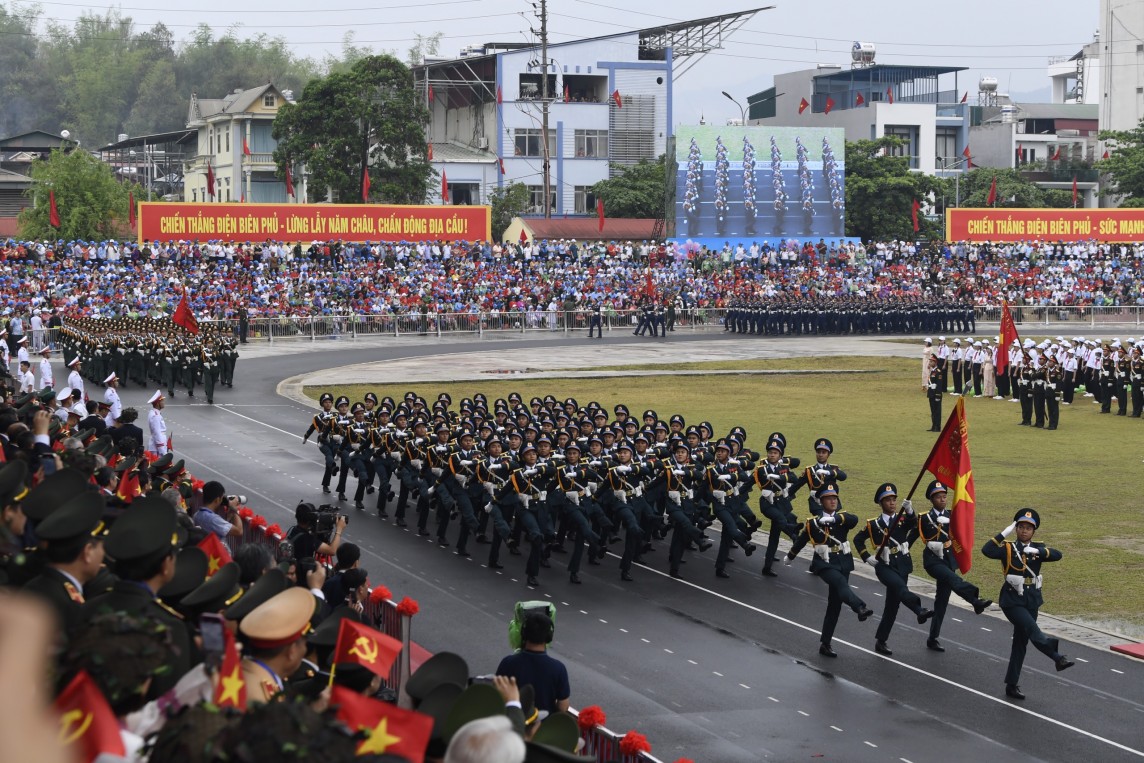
point(720, 671)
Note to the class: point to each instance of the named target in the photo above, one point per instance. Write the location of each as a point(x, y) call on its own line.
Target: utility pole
point(547, 177)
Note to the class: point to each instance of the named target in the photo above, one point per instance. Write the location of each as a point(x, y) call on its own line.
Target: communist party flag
point(184, 317)
point(391, 730)
point(1008, 334)
point(370, 648)
point(217, 553)
point(231, 689)
point(949, 463)
point(86, 720)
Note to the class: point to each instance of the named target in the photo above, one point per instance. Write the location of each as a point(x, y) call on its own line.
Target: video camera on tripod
point(319, 520)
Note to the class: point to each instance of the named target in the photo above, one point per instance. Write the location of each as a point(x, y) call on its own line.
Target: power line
point(275, 11)
point(279, 26)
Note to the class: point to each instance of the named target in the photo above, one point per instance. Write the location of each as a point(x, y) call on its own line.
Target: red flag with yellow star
point(391, 730)
point(231, 689)
point(370, 648)
point(949, 463)
point(217, 553)
point(87, 724)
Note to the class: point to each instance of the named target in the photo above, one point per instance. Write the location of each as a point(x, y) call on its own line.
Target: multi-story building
point(1122, 57)
point(224, 125)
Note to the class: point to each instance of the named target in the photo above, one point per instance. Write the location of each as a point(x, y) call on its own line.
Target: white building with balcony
point(224, 125)
point(1122, 48)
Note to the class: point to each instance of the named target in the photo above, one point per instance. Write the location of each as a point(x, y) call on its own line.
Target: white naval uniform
point(158, 431)
point(47, 378)
point(111, 397)
point(75, 381)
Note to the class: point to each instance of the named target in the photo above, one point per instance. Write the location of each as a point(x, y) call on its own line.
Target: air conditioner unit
point(483, 143)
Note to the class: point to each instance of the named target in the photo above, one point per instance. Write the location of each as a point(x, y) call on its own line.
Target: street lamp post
point(742, 111)
point(945, 167)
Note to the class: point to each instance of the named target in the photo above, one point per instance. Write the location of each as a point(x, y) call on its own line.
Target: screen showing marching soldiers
point(748, 184)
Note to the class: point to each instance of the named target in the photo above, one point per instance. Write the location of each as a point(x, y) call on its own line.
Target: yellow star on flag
point(213, 565)
point(231, 686)
point(961, 490)
point(379, 740)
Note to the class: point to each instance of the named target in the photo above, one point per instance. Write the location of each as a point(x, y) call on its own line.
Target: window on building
point(592, 144)
point(908, 134)
point(194, 195)
point(228, 141)
point(528, 143)
point(585, 200)
point(268, 100)
point(536, 199)
point(945, 143)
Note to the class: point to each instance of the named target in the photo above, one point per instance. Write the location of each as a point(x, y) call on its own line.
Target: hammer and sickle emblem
point(73, 725)
point(366, 649)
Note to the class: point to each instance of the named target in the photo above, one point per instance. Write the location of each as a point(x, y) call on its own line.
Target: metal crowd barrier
point(1091, 316)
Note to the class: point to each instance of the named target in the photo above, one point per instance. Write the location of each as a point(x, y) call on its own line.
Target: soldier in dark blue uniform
point(775, 481)
point(832, 561)
point(1020, 597)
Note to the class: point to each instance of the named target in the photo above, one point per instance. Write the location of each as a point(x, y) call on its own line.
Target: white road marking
point(623, 630)
point(803, 713)
point(645, 640)
point(870, 743)
point(669, 651)
point(836, 728)
point(745, 686)
point(1114, 670)
point(716, 672)
point(956, 619)
point(987, 630)
point(772, 699)
point(693, 662)
point(1081, 659)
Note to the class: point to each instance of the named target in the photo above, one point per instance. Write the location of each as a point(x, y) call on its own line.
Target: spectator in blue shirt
point(219, 513)
point(532, 665)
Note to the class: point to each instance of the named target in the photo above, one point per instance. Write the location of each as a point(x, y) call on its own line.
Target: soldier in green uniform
point(208, 364)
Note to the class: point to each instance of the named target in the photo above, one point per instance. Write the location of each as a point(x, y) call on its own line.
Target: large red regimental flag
point(949, 463)
point(184, 317)
point(372, 649)
point(1008, 334)
point(390, 730)
point(87, 724)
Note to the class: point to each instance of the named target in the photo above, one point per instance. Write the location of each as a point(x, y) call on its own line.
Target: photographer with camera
point(219, 513)
point(319, 531)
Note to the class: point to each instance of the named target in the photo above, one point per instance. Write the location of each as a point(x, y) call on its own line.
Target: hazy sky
point(1009, 40)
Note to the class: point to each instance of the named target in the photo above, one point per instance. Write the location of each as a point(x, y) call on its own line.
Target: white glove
point(1031, 551)
point(623, 468)
point(823, 551)
point(725, 478)
point(466, 462)
point(787, 560)
point(1018, 583)
point(570, 473)
point(870, 560)
point(542, 495)
point(530, 471)
point(904, 548)
point(822, 472)
point(720, 495)
point(419, 441)
point(1009, 530)
point(597, 462)
point(885, 554)
point(768, 496)
point(936, 547)
point(943, 520)
point(498, 466)
point(774, 477)
point(491, 489)
point(908, 506)
point(1039, 581)
point(826, 519)
point(677, 472)
point(441, 448)
point(337, 438)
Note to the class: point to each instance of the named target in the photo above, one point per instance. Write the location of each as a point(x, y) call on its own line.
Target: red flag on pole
point(803, 105)
point(444, 188)
point(1020, 152)
point(829, 105)
point(649, 287)
point(965, 97)
point(1105, 155)
point(361, 644)
point(53, 210)
point(365, 183)
point(500, 95)
point(566, 99)
point(616, 97)
point(890, 95)
point(914, 214)
point(600, 213)
point(430, 94)
point(1057, 154)
point(245, 147)
point(968, 157)
point(391, 731)
point(131, 208)
point(429, 152)
point(289, 181)
point(87, 722)
point(210, 179)
point(1074, 190)
point(523, 236)
point(128, 489)
point(184, 317)
point(500, 163)
point(949, 463)
point(1008, 336)
point(859, 100)
point(992, 198)
point(217, 553)
point(231, 689)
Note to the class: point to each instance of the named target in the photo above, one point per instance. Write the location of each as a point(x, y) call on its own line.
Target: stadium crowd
point(273, 279)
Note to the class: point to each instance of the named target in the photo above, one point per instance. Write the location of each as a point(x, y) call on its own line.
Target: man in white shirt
point(37, 324)
point(63, 404)
point(111, 397)
point(5, 352)
point(157, 425)
point(75, 380)
point(47, 378)
point(26, 379)
point(22, 350)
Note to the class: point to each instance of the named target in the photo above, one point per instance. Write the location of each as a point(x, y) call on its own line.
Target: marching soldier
point(891, 561)
point(1020, 597)
point(722, 477)
point(832, 561)
point(1053, 381)
point(321, 424)
point(819, 473)
point(941, 564)
point(775, 481)
point(934, 393)
point(679, 479)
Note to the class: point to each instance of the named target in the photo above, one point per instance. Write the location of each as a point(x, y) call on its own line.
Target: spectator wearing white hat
point(47, 377)
point(157, 425)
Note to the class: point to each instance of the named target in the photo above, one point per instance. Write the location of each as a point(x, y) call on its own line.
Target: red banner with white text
point(174, 221)
point(1047, 225)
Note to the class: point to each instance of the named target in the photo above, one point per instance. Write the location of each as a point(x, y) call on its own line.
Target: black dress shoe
point(359, 505)
point(626, 576)
point(400, 522)
point(462, 552)
point(574, 578)
point(704, 544)
point(769, 573)
point(934, 645)
point(341, 496)
point(369, 490)
point(721, 574)
point(981, 605)
point(422, 531)
point(545, 563)
point(826, 651)
point(1013, 691)
point(881, 648)
point(532, 581)
point(1064, 663)
point(496, 566)
point(924, 615)
point(749, 548)
point(674, 572)
point(326, 489)
point(864, 614)
point(482, 538)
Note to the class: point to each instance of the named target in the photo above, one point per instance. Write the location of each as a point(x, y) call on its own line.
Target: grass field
point(1082, 478)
